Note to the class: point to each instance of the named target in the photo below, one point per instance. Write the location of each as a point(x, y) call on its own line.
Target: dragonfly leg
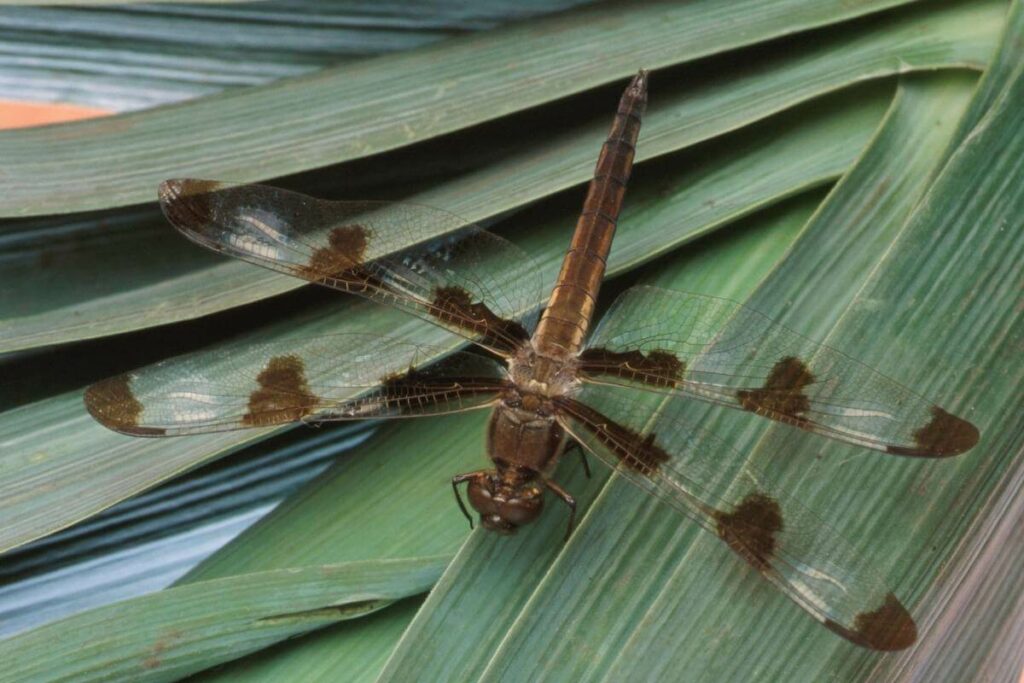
point(583, 459)
point(564, 496)
point(460, 478)
point(569, 445)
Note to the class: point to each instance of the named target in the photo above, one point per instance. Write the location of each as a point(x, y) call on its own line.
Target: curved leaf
point(178, 631)
point(150, 541)
point(146, 262)
point(131, 57)
point(924, 296)
point(373, 106)
point(733, 261)
point(87, 468)
point(625, 535)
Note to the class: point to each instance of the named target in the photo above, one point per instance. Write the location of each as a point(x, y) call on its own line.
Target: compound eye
point(481, 497)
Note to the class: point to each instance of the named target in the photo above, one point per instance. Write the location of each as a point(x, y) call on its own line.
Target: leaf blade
point(192, 284)
point(178, 631)
point(635, 591)
point(88, 468)
point(65, 168)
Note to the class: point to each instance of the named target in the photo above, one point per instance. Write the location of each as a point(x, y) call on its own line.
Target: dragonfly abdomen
point(563, 326)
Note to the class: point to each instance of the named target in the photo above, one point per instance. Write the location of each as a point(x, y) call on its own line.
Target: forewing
point(720, 351)
point(336, 377)
point(648, 440)
point(468, 280)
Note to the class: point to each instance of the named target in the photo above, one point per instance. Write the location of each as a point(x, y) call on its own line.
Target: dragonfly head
point(506, 499)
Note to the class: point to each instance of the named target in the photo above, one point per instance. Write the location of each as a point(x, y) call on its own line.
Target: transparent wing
point(648, 440)
point(335, 377)
point(720, 351)
point(469, 281)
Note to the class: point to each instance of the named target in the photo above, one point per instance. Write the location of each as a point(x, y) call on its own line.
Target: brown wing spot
point(345, 250)
point(751, 527)
point(411, 381)
point(783, 392)
point(454, 306)
point(946, 434)
point(417, 389)
point(283, 395)
point(434, 379)
point(113, 404)
point(643, 455)
point(656, 367)
point(398, 379)
point(417, 392)
point(637, 452)
point(890, 627)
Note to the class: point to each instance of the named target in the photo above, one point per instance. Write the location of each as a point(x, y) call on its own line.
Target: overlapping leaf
point(129, 57)
point(637, 594)
point(146, 262)
point(87, 468)
point(172, 633)
point(673, 567)
point(380, 104)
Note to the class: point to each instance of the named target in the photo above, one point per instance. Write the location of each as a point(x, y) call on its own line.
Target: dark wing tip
point(186, 202)
point(945, 435)
point(169, 189)
point(888, 628)
point(949, 434)
point(112, 403)
point(173, 189)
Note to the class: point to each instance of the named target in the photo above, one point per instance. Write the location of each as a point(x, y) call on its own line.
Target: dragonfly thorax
point(541, 375)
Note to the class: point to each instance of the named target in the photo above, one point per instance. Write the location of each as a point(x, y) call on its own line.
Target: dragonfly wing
point(649, 440)
point(334, 377)
point(422, 260)
point(720, 351)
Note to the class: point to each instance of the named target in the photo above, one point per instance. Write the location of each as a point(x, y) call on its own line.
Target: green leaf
point(345, 513)
point(129, 57)
point(502, 597)
point(146, 263)
point(999, 72)
point(658, 594)
point(172, 633)
point(86, 468)
point(973, 215)
point(89, 3)
point(913, 264)
point(377, 105)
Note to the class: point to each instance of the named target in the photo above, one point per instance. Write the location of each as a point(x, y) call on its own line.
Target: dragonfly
point(622, 392)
